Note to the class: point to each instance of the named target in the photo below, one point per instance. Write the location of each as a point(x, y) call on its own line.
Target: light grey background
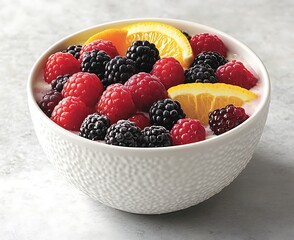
point(37, 203)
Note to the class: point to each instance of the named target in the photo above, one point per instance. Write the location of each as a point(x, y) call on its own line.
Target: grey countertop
point(37, 203)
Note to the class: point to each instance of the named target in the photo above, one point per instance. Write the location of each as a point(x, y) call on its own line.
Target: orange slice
point(116, 35)
point(170, 41)
point(198, 99)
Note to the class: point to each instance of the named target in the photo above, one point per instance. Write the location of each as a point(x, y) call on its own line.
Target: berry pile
point(123, 99)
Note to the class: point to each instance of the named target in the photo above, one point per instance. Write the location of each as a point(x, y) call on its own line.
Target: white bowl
point(151, 180)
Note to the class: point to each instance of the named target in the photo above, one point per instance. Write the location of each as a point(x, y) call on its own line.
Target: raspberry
point(166, 113)
point(225, 119)
point(116, 103)
point(73, 50)
point(85, 86)
point(155, 136)
point(205, 42)
point(145, 89)
point(94, 127)
point(49, 101)
point(95, 62)
point(169, 71)
point(144, 53)
point(58, 83)
point(213, 59)
point(70, 113)
point(60, 64)
point(235, 73)
point(186, 131)
point(104, 45)
point(124, 133)
point(200, 74)
point(118, 70)
point(140, 120)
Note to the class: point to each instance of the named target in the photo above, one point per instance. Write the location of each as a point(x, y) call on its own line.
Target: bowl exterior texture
point(150, 181)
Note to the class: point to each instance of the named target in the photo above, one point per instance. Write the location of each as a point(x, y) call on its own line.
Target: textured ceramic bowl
point(151, 181)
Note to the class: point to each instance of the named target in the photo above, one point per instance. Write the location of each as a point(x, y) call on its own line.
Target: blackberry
point(95, 62)
point(118, 70)
point(124, 133)
point(200, 74)
point(94, 127)
point(187, 35)
point(49, 101)
point(73, 50)
point(224, 119)
point(144, 53)
point(213, 59)
point(58, 83)
point(155, 136)
point(166, 113)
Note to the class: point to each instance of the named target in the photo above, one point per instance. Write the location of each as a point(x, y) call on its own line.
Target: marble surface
point(37, 203)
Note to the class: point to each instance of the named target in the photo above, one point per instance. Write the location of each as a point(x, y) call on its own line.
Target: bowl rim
point(102, 146)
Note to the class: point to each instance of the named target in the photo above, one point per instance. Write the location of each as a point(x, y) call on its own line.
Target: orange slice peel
point(116, 35)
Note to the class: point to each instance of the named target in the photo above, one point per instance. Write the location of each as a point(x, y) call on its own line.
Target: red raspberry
point(116, 103)
point(206, 42)
point(140, 120)
point(169, 71)
point(60, 64)
point(85, 86)
point(146, 89)
point(70, 113)
point(104, 45)
point(235, 73)
point(49, 101)
point(224, 119)
point(186, 131)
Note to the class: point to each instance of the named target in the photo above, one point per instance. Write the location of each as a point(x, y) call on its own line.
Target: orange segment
point(116, 36)
point(170, 41)
point(198, 99)
point(190, 104)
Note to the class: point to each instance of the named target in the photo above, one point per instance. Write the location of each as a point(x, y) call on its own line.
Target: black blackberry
point(49, 101)
point(224, 119)
point(95, 62)
point(166, 113)
point(144, 53)
point(73, 50)
point(155, 136)
point(94, 127)
point(187, 35)
point(124, 133)
point(213, 59)
point(118, 70)
point(200, 74)
point(58, 83)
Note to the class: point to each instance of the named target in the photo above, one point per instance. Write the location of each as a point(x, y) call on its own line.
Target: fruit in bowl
point(143, 119)
point(147, 78)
